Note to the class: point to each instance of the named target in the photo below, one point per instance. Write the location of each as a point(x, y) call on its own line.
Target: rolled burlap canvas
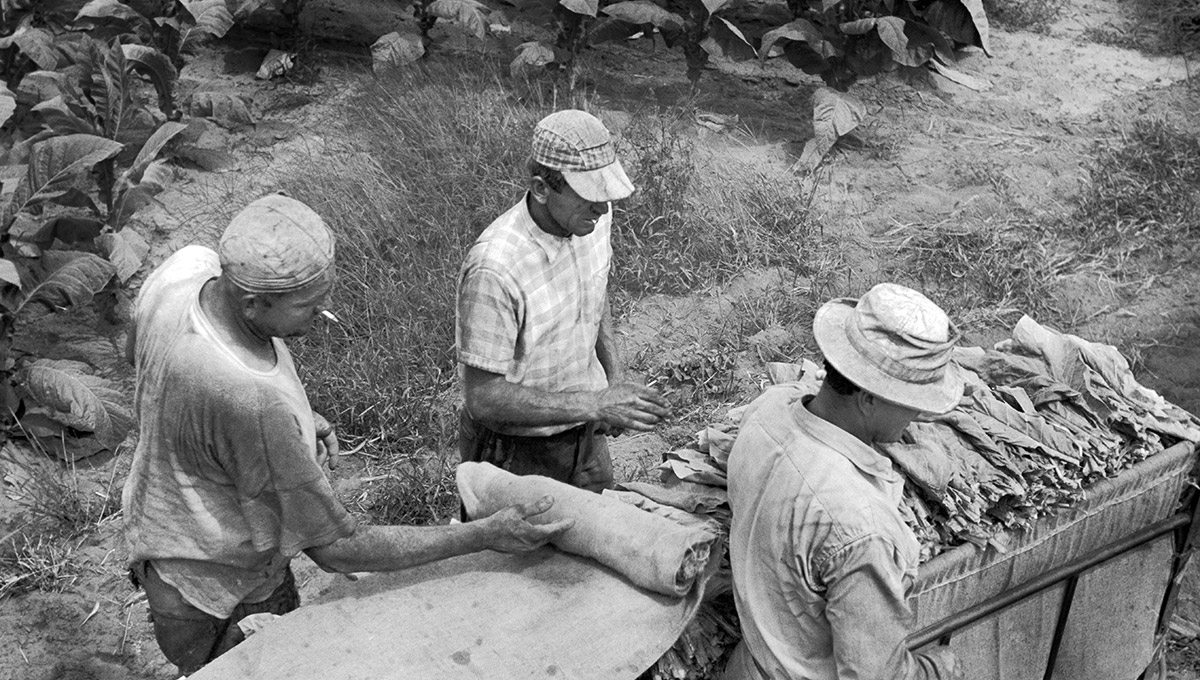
point(653, 552)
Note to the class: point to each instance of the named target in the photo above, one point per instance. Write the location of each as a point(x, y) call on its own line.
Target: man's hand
point(631, 406)
point(327, 443)
point(515, 533)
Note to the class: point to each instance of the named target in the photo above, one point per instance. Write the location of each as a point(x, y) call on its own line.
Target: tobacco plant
point(83, 135)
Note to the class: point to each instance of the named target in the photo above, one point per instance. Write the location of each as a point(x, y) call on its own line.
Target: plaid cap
point(578, 145)
point(572, 140)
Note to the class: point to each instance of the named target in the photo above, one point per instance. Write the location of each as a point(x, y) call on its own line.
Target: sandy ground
point(930, 153)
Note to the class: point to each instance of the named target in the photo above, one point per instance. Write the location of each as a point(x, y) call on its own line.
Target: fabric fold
point(653, 552)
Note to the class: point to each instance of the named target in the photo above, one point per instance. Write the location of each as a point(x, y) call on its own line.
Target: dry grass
point(1024, 15)
point(983, 275)
point(1140, 212)
point(57, 513)
point(437, 153)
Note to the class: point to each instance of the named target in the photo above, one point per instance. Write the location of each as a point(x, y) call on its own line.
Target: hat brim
point(609, 183)
point(829, 329)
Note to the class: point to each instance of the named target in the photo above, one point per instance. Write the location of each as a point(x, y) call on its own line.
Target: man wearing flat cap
point(542, 382)
point(226, 485)
point(820, 554)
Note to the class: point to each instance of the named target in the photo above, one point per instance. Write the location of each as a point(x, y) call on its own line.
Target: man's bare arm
point(391, 548)
point(491, 398)
point(606, 348)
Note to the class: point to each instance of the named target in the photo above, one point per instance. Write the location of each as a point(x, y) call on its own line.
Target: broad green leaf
point(55, 163)
point(152, 147)
point(585, 7)
point(58, 117)
point(891, 32)
point(834, 115)
point(471, 14)
point(713, 6)
point(212, 20)
point(134, 197)
point(115, 99)
point(964, 21)
point(126, 250)
point(530, 56)
point(827, 5)
point(9, 273)
point(158, 68)
point(644, 12)
point(73, 283)
point(927, 39)
point(244, 8)
point(726, 40)
point(800, 30)
point(858, 26)
point(608, 29)
point(229, 109)
point(69, 228)
point(88, 402)
point(396, 49)
point(108, 9)
point(38, 45)
point(8, 105)
point(38, 86)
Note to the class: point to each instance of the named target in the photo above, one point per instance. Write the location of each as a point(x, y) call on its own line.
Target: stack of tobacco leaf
point(1044, 415)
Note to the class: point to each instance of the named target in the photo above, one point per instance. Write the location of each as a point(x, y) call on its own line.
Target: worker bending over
point(821, 556)
point(227, 484)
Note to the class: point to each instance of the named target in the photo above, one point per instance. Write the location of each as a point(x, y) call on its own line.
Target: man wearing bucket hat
point(820, 553)
point(542, 382)
point(226, 485)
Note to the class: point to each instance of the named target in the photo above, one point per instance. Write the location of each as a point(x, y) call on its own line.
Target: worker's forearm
point(606, 348)
point(500, 401)
point(390, 548)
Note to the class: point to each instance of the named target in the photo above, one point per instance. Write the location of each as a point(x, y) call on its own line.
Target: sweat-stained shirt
point(225, 487)
point(820, 554)
point(530, 305)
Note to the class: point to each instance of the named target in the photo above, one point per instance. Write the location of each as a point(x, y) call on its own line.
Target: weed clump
point(1143, 198)
point(983, 276)
point(1024, 15)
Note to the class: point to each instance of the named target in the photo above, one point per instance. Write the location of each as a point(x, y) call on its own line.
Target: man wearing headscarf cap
point(226, 485)
point(820, 554)
point(542, 381)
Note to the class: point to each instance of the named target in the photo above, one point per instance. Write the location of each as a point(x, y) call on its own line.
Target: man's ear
point(539, 189)
point(252, 304)
point(865, 401)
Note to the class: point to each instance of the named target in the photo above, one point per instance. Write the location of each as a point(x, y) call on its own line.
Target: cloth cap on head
point(276, 245)
point(578, 145)
point(894, 343)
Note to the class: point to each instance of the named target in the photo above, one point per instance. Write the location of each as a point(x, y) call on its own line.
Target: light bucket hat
point(276, 245)
point(578, 145)
point(894, 343)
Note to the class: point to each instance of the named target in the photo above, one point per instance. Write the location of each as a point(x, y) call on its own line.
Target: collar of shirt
point(864, 457)
point(552, 246)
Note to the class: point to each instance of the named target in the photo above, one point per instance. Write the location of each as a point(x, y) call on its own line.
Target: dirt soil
point(931, 152)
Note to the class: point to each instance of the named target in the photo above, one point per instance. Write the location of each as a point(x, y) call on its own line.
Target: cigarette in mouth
point(330, 316)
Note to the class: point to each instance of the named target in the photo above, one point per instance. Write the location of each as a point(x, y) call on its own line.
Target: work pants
point(189, 637)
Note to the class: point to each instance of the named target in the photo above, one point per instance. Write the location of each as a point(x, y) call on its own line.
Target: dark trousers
point(578, 456)
point(189, 637)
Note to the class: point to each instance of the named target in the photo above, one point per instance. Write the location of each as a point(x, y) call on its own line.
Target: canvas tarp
point(1110, 630)
point(546, 614)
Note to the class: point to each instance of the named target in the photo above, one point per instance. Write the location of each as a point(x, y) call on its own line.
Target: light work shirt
point(530, 305)
point(224, 487)
point(821, 556)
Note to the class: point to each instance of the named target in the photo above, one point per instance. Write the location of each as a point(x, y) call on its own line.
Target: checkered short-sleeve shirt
point(530, 304)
